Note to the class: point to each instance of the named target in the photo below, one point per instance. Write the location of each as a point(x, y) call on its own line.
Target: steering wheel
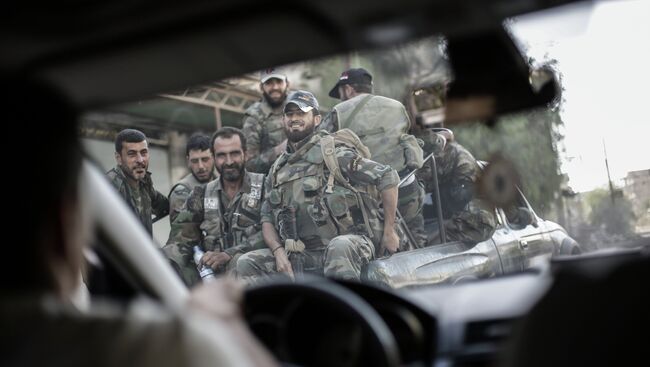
point(316, 322)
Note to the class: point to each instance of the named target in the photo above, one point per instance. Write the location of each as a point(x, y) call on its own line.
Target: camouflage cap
point(271, 73)
point(303, 99)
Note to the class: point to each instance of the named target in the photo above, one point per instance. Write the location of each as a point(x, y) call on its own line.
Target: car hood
point(437, 264)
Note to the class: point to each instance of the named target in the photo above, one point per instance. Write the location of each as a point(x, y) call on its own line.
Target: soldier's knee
point(245, 265)
point(339, 246)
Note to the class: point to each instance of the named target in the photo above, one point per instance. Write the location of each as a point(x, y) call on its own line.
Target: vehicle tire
point(570, 247)
point(317, 322)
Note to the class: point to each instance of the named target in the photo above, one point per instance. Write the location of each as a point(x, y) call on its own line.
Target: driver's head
point(45, 251)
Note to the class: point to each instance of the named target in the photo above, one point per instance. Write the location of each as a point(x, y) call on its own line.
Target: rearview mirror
point(491, 78)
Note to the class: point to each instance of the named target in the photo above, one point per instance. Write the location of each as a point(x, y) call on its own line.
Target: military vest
point(223, 228)
point(322, 211)
point(382, 125)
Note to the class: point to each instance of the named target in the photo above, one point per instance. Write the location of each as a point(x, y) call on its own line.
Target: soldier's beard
point(130, 171)
point(275, 102)
point(297, 136)
point(232, 174)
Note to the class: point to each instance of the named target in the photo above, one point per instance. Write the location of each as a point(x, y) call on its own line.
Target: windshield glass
point(507, 192)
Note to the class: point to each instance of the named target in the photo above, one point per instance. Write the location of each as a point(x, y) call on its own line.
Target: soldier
point(131, 178)
point(221, 217)
point(200, 162)
point(262, 124)
point(321, 209)
point(467, 217)
point(382, 124)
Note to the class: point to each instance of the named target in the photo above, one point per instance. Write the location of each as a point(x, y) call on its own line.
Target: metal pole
point(609, 179)
point(436, 193)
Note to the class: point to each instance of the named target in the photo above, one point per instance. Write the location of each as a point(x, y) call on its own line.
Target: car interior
point(577, 310)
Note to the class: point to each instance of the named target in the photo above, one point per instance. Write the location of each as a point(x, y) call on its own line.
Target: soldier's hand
point(390, 241)
point(282, 262)
point(215, 259)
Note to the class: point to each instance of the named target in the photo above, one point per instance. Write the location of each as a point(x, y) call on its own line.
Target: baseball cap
point(303, 99)
point(270, 73)
point(351, 76)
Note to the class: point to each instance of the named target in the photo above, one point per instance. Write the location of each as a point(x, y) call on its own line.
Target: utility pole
point(609, 179)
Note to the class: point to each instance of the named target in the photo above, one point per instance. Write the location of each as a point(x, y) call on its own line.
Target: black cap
point(303, 99)
point(351, 76)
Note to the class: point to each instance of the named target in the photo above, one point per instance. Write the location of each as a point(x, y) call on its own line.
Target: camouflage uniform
point(382, 125)
point(216, 223)
point(328, 216)
point(180, 192)
point(466, 217)
point(263, 130)
point(144, 201)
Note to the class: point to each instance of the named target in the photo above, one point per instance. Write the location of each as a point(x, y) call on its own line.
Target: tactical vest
point(324, 208)
point(219, 232)
point(382, 125)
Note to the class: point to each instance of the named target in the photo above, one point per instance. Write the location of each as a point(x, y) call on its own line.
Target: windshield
point(567, 178)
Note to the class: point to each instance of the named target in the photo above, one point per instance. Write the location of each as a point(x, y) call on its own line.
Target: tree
point(615, 216)
point(529, 141)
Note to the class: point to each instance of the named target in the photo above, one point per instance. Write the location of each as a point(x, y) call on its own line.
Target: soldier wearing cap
point(262, 124)
point(321, 206)
point(382, 124)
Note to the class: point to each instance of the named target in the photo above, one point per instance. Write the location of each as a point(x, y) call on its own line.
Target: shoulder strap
point(209, 201)
point(276, 166)
point(356, 110)
point(328, 148)
point(256, 183)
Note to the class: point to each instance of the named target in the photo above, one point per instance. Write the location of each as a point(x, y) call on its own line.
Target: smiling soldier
point(321, 210)
point(131, 178)
point(221, 217)
point(262, 125)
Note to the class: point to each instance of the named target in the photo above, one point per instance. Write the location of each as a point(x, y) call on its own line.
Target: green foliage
point(528, 140)
point(615, 216)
